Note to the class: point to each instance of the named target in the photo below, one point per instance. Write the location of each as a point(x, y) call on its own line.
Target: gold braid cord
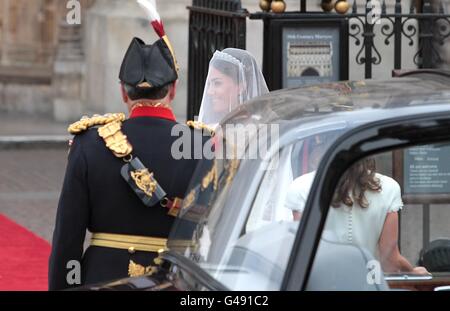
point(211, 176)
point(114, 139)
point(169, 45)
point(200, 126)
point(189, 199)
point(87, 122)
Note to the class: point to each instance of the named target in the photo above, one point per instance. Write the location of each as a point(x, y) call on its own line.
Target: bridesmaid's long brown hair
point(357, 180)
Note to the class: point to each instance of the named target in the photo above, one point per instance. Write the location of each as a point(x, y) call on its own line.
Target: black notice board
point(302, 49)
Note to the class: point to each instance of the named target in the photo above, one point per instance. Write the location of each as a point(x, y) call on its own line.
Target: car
point(234, 231)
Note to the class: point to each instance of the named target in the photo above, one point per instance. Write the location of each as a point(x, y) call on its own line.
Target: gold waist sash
point(131, 243)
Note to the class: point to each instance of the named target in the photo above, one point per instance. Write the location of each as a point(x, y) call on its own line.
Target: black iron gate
point(213, 25)
point(432, 31)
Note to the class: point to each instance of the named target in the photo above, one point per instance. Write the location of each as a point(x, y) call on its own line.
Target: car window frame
point(246, 174)
point(357, 143)
point(245, 185)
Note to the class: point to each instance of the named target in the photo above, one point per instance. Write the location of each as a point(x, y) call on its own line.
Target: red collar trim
point(154, 112)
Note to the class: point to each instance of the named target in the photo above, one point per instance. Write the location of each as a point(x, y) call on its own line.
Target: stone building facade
point(30, 36)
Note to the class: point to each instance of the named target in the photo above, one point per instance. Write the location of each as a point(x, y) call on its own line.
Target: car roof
point(347, 100)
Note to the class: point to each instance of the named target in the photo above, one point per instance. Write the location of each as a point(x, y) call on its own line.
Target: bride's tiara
point(228, 57)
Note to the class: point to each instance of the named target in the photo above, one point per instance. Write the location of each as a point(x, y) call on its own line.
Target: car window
point(268, 205)
point(242, 232)
point(257, 260)
point(388, 223)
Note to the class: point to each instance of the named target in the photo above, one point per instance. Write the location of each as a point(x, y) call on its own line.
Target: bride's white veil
point(241, 67)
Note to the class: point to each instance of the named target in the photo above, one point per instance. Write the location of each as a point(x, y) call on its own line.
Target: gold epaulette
point(115, 139)
point(200, 126)
point(87, 122)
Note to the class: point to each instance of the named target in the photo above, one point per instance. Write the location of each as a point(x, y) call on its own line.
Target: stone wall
point(31, 99)
point(29, 41)
point(111, 25)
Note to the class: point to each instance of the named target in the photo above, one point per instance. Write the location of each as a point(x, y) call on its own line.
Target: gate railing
point(432, 30)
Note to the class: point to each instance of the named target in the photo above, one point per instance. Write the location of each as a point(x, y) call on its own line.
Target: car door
point(379, 138)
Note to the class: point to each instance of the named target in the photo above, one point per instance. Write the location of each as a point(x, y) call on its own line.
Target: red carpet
point(23, 258)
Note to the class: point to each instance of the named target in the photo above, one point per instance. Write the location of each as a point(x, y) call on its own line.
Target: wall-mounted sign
point(424, 173)
point(310, 55)
point(303, 49)
point(426, 169)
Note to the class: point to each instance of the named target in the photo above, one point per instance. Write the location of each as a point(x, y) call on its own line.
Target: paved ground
point(30, 182)
point(31, 179)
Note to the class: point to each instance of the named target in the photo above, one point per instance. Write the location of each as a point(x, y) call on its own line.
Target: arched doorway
point(310, 72)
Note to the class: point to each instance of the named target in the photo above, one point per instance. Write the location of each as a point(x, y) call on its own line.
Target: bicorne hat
point(148, 66)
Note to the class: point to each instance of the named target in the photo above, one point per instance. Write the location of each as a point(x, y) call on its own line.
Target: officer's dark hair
point(135, 93)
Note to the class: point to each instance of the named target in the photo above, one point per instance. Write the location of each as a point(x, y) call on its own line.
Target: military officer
point(122, 183)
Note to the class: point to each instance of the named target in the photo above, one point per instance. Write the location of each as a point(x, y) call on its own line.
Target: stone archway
point(310, 72)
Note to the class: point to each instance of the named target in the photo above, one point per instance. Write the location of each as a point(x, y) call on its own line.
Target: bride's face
point(222, 90)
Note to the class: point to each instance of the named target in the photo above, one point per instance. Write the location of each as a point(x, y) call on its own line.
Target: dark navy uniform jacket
point(95, 197)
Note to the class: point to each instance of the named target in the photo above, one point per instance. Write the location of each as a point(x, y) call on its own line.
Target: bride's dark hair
point(231, 70)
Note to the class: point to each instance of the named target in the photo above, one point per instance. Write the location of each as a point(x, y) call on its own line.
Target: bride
point(233, 78)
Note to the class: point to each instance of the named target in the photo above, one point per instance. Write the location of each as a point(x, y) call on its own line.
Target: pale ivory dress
point(353, 225)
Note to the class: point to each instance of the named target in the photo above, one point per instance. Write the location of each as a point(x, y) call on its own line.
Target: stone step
point(25, 142)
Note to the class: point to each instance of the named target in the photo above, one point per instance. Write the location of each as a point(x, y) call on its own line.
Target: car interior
point(263, 250)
